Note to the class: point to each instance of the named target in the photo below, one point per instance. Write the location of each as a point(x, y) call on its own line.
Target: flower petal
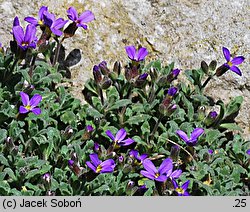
point(236, 70)
point(185, 185)
point(131, 52)
point(41, 11)
point(133, 153)
point(196, 133)
point(226, 53)
point(108, 163)
point(31, 20)
point(30, 33)
point(166, 166)
point(90, 165)
point(22, 109)
point(35, 100)
point(72, 14)
point(109, 134)
point(149, 175)
point(120, 135)
point(25, 98)
point(126, 142)
point(176, 174)
point(183, 135)
point(143, 157)
point(142, 53)
point(107, 169)
point(86, 17)
point(18, 34)
point(16, 22)
point(149, 166)
point(238, 60)
point(94, 158)
point(175, 184)
point(36, 111)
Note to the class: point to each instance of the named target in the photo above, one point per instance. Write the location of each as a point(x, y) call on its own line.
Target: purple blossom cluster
point(50, 26)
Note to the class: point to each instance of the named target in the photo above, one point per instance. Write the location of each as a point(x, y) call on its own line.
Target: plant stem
point(181, 148)
point(32, 65)
point(156, 127)
point(57, 52)
point(206, 82)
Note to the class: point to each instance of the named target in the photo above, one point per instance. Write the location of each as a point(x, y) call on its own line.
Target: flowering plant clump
point(141, 130)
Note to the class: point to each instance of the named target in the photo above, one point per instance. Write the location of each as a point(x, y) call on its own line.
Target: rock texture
point(180, 31)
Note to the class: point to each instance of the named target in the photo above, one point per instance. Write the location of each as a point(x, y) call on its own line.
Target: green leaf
point(120, 103)
point(231, 126)
point(3, 160)
point(11, 174)
point(68, 117)
point(138, 119)
point(234, 105)
point(93, 112)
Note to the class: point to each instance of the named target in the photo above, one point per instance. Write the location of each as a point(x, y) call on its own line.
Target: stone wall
point(180, 31)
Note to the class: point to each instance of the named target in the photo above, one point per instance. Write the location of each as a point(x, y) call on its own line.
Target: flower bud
point(153, 74)
point(9, 143)
point(70, 30)
point(106, 83)
point(163, 81)
point(172, 91)
point(141, 80)
point(213, 65)
point(67, 133)
point(221, 70)
point(117, 68)
point(97, 74)
point(103, 67)
point(173, 75)
point(210, 119)
point(204, 67)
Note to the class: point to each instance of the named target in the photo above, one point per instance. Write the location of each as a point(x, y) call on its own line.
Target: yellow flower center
point(180, 190)
point(40, 22)
point(230, 63)
point(98, 169)
point(157, 175)
point(28, 107)
point(25, 44)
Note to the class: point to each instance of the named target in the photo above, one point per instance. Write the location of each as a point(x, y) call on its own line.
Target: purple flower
point(176, 72)
point(89, 128)
point(143, 76)
point(80, 21)
point(119, 138)
point(231, 64)
point(213, 114)
point(40, 20)
point(27, 40)
point(98, 166)
point(54, 24)
point(181, 190)
point(172, 91)
point(30, 104)
point(248, 151)
point(192, 141)
point(96, 147)
point(210, 151)
point(134, 55)
point(47, 177)
point(161, 175)
point(135, 154)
